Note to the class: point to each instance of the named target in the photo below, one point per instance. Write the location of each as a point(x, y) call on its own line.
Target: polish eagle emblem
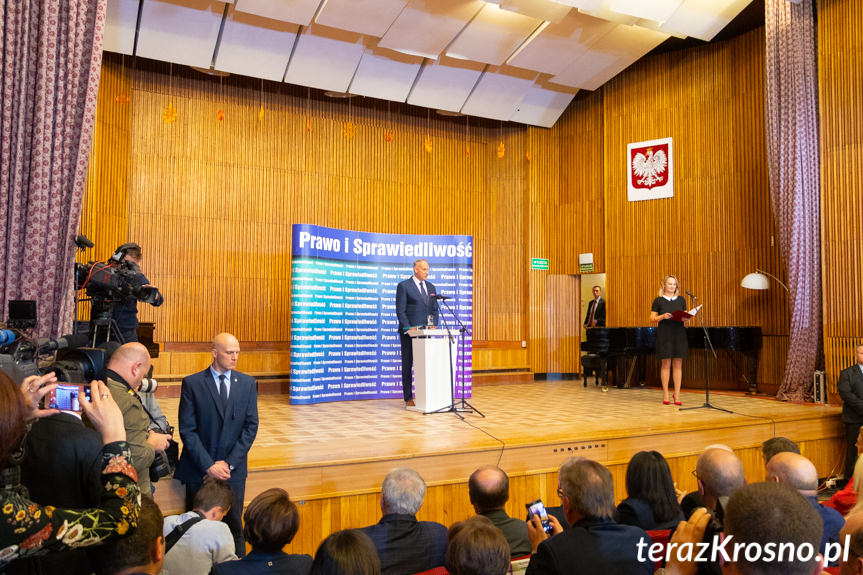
point(649, 167)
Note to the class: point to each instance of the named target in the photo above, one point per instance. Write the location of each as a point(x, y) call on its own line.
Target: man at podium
point(415, 306)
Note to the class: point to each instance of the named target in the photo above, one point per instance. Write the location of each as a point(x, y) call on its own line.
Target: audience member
point(845, 500)
point(129, 365)
point(477, 547)
point(693, 500)
point(652, 500)
point(799, 473)
point(488, 489)
point(595, 544)
point(764, 513)
point(719, 473)
point(141, 552)
point(348, 552)
point(66, 473)
point(270, 522)
point(29, 529)
point(198, 539)
point(775, 445)
point(850, 388)
point(404, 544)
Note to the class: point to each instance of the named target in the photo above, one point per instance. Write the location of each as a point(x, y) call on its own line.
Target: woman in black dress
point(671, 344)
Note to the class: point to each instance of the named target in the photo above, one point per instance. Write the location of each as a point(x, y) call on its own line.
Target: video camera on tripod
point(110, 282)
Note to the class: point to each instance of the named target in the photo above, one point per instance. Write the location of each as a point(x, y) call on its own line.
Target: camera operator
point(126, 370)
point(125, 311)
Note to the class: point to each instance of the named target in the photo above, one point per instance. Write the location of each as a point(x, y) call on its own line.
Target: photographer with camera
point(126, 370)
point(125, 312)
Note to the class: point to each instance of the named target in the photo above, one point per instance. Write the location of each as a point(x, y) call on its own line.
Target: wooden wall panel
point(212, 201)
point(718, 226)
point(840, 98)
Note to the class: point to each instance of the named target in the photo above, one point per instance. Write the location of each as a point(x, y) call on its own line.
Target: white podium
point(432, 389)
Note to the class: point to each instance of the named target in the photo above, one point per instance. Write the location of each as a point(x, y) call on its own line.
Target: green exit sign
point(539, 264)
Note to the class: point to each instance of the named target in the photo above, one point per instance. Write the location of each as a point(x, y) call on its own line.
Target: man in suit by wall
point(415, 305)
point(218, 419)
point(595, 310)
point(851, 391)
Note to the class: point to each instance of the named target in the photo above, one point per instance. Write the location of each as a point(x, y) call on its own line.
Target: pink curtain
point(52, 56)
point(793, 162)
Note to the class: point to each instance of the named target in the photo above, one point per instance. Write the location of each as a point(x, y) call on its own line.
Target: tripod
point(462, 406)
point(103, 327)
point(707, 345)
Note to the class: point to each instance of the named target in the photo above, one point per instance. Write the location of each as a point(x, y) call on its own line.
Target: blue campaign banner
point(344, 331)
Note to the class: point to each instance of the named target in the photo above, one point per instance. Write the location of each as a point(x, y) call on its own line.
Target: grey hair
point(402, 491)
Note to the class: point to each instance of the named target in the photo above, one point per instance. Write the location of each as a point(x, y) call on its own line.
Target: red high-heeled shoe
point(676, 401)
point(666, 402)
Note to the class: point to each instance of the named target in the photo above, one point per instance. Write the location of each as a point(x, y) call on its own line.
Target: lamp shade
point(755, 280)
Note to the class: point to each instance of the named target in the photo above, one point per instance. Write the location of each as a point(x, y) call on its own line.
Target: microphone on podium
point(439, 297)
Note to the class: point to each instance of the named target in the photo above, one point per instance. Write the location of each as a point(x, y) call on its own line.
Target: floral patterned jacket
point(27, 528)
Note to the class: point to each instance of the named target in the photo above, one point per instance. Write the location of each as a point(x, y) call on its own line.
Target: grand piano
point(619, 347)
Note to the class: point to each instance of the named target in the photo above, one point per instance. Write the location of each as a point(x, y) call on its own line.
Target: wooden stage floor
point(336, 449)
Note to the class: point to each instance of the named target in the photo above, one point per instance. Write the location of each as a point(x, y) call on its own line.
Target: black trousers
point(407, 365)
point(234, 518)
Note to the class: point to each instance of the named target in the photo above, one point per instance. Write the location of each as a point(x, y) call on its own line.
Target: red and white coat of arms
point(650, 170)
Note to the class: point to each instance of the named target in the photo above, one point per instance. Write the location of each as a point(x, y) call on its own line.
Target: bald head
point(488, 488)
point(794, 470)
point(131, 361)
point(226, 350)
point(720, 472)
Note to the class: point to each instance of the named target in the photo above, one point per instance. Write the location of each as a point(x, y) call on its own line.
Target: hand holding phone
point(538, 508)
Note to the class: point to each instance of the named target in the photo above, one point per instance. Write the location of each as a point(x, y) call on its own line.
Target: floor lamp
point(758, 280)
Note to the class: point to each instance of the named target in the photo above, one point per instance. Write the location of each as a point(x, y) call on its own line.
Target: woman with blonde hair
point(671, 344)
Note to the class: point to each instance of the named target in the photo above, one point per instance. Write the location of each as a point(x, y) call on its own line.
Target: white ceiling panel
point(703, 19)
point(296, 11)
point(385, 74)
point(180, 31)
point(445, 84)
point(610, 55)
point(560, 44)
point(325, 58)
point(540, 9)
point(541, 107)
point(425, 28)
point(256, 46)
point(120, 23)
point(492, 36)
point(499, 92)
point(369, 17)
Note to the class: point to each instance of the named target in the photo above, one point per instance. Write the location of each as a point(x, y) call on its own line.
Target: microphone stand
point(463, 406)
point(707, 345)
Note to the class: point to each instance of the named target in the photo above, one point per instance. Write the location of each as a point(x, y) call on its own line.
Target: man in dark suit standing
point(595, 310)
point(415, 305)
point(851, 391)
point(218, 418)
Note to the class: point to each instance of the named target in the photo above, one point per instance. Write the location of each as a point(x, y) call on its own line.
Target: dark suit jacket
point(592, 546)
point(600, 312)
point(850, 388)
point(211, 433)
point(515, 531)
point(406, 545)
point(263, 563)
point(411, 308)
